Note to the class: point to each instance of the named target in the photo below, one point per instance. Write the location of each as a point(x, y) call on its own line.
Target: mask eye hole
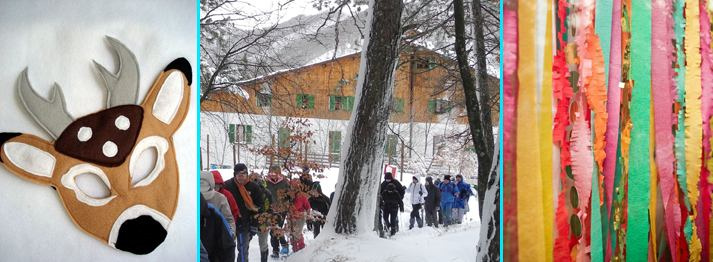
point(92, 185)
point(145, 163)
point(147, 160)
point(89, 183)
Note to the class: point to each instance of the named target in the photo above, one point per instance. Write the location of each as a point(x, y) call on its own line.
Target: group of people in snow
point(275, 207)
point(444, 202)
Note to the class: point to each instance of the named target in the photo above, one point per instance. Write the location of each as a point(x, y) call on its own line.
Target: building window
point(426, 63)
point(390, 147)
point(439, 106)
point(283, 137)
point(264, 100)
point(397, 106)
point(305, 101)
point(344, 103)
point(335, 146)
point(438, 144)
point(242, 134)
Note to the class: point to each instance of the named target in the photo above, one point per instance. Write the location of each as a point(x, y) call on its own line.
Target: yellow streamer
point(653, 190)
point(545, 118)
point(530, 220)
point(694, 131)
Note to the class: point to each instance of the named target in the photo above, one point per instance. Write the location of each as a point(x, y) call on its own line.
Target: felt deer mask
point(135, 214)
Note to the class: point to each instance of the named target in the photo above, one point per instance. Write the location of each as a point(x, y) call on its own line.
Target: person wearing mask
point(216, 199)
point(278, 187)
point(417, 193)
point(448, 195)
point(249, 198)
point(432, 202)
point(463, 193)
point(392, 193)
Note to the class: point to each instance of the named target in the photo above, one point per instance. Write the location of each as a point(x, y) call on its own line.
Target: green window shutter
point(310, 98)
point(231, 133)
point(337, 141)
point(299, 100)
point(432, 106)
point(399, 107)
point(283, 136)
point(332, 103)
point(248, 134)
point(349, 103)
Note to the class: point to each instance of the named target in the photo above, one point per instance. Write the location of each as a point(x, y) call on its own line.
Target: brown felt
point(103, 130)
point(161, 195)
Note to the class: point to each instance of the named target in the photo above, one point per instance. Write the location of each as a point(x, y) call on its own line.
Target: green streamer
point(637, 234)
point(680, 145)
point(596, 230)
point(602, 27)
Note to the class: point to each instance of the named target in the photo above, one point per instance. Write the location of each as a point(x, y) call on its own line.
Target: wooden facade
point(326, 90)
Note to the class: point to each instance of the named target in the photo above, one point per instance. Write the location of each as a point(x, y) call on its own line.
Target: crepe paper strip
point(661, 85)
point(679, 29)
point(530, 217)
point(597, 252)
point(545, 130)
point(653, 188)
point(603, 27)
point(638, 195)
point(562, 94)
point(693, 119)
point(510, 250)
point(613, 100)
point(706, 103)
point(582, 168)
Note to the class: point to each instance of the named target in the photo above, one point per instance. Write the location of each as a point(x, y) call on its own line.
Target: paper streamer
point(545, 129)
point(510, 239)
point(702, 220)
point(663, 86)
point(530, 220)
point(638, 195)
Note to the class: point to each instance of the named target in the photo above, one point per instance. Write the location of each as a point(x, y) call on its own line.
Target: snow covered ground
point(456, 243)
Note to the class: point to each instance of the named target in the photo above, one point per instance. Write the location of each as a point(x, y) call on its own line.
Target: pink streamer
point(706, 96)
point(661, 85)
point(613, 102)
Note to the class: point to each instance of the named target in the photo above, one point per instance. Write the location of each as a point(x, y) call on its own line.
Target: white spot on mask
point(110, 149)
point(122, 123)
point(84, 134)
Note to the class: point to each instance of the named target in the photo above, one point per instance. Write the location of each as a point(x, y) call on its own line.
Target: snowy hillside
point(456, 243)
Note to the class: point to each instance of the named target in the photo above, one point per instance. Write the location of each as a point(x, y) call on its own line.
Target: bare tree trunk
point(363, 153)
point(489, 242)
point(478, 113)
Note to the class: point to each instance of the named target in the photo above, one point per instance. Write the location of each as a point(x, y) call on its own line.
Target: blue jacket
point(463, 190)
point(448, 192)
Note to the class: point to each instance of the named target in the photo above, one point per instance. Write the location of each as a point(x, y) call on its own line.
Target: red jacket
point(231, 200)
point(300, 206)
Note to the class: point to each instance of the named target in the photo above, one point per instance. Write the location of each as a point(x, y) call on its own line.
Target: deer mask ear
point(28, 157)
point(169, 97)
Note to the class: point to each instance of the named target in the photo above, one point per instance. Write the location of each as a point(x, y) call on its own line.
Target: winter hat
point(239, 167)
point(447, 177)
point(429, 179)
point(217, 177)
point(459, 176)
point(388, 175)
point(415, 178)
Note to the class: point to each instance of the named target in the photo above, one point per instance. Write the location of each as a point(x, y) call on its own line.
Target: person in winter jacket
point(298, 214)
point(392, 194)
point(249, 198)
point(448, 195)
point(216, 199)
point(437, 183)
point(431, 202)
point(317, 200)
point(463, 193)
point(417, 193)
point(215, 233)
point(278, 187)
point(220, 187)
point(263, 225)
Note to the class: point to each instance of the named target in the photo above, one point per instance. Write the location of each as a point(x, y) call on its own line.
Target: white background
point(57, 40)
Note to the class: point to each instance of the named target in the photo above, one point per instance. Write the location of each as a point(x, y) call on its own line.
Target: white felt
point(30, 159)
point(132, 213)
point(69, 181)
point(169, 97)
point(109, 149)
point(161, 146)
point(84, 134)
point(122, 123)
point(58, 41)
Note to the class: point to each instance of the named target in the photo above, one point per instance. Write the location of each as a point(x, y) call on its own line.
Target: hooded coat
point(417, 192)
point(214, 235)
point(229, 196)
point(216, 199)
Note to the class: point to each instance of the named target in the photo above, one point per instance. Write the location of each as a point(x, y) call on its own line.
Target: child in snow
point(298, 214)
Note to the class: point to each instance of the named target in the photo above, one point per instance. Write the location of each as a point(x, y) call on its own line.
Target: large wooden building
point(428, 104)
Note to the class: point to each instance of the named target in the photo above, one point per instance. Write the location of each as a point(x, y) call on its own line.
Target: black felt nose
point(140, 235)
